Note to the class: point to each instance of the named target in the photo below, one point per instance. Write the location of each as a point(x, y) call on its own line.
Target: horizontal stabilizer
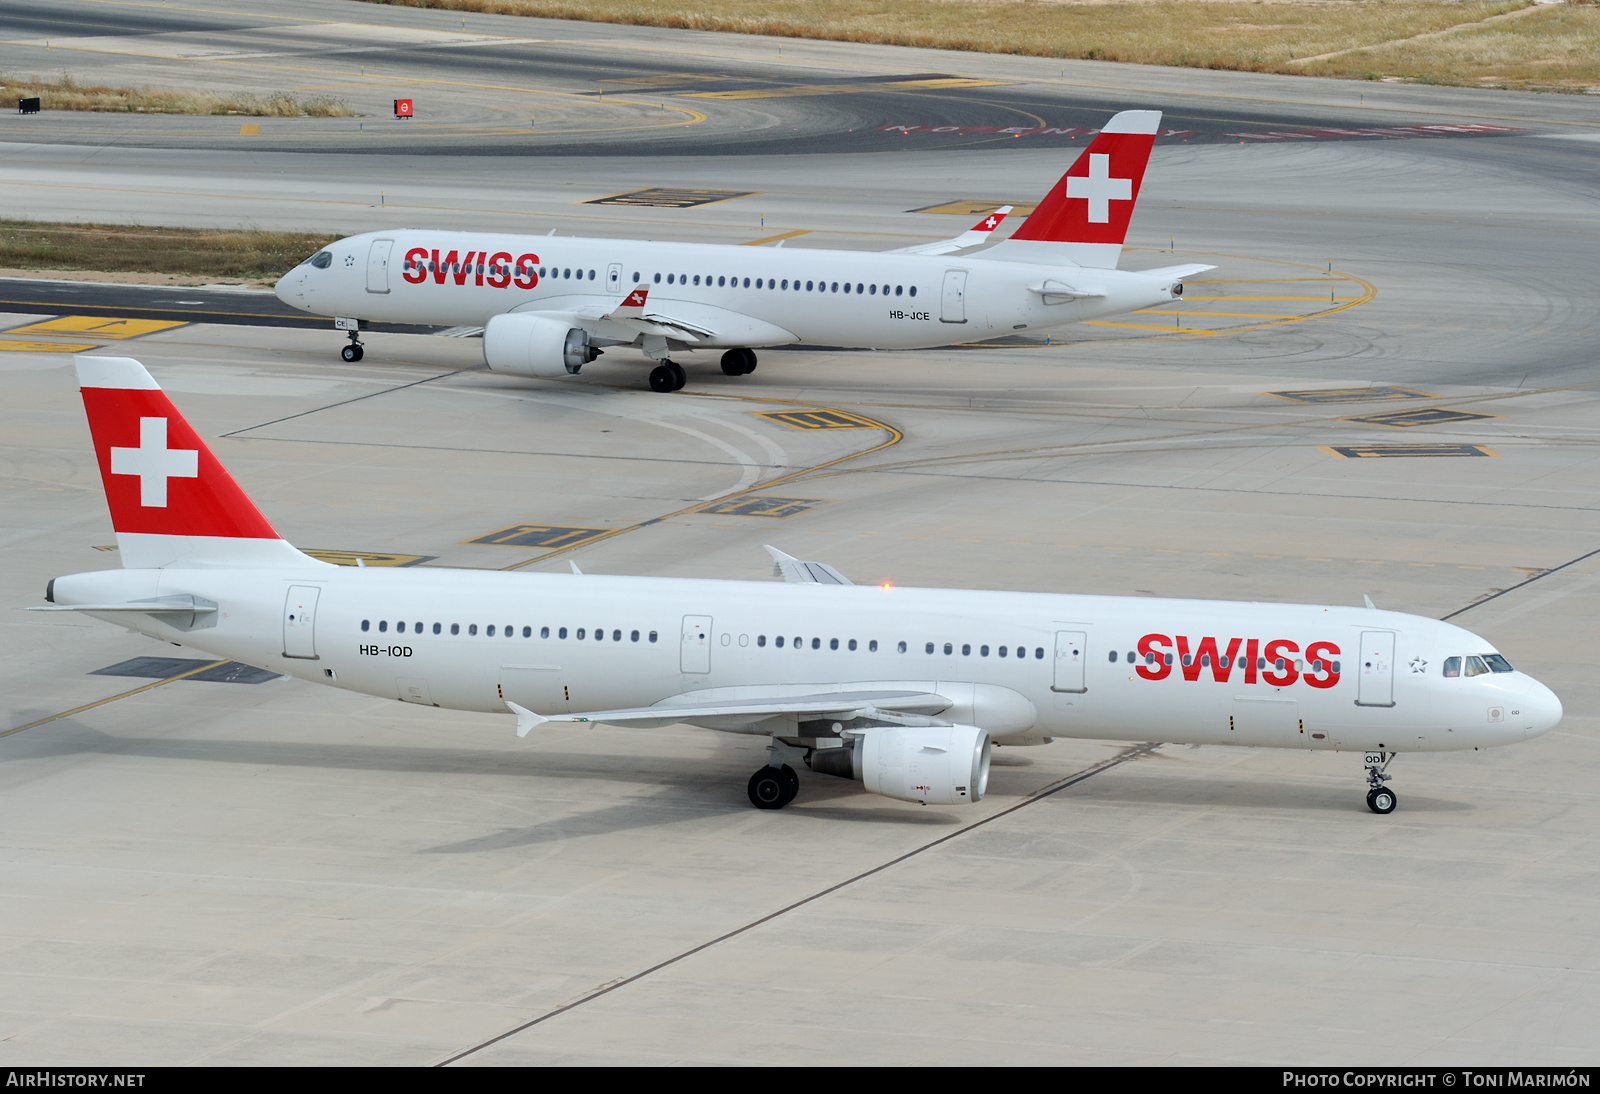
point(182, 605)
point(1177, 273)
point(805, 573)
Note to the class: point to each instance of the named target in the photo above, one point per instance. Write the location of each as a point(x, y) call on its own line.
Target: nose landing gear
point(354, 351)
point(1380, 799)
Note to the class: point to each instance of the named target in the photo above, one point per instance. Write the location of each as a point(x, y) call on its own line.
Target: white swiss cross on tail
point(154, 462)
point(1099, 189)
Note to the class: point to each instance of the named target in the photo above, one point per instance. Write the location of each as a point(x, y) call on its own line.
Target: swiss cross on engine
point(155, 463)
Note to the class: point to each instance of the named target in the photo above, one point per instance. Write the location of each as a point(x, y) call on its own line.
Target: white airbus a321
point(549, 306)
point(903, 690)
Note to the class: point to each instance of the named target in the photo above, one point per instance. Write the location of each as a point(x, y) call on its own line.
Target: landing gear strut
point(668, 376)
point(775, 786)
point(739, 362)
point(354, 351)
point(1380, 799)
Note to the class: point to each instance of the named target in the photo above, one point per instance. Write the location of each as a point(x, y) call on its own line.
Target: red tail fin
point(1088, 209)
point(171, 500)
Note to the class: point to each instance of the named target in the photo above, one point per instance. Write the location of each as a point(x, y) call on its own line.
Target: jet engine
point(938, 765)
point(536, 345)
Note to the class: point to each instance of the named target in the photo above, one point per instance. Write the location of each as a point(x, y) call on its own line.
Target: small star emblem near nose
point(1418, 665)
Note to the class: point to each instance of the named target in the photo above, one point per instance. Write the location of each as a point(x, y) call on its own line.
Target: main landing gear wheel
point(668, 376)
point(739, 362)
point(773, 787)
point(1381, 801)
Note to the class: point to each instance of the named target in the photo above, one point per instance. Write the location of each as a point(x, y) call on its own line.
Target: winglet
point(632, 307)
point(1369, 602)
point(526, 719)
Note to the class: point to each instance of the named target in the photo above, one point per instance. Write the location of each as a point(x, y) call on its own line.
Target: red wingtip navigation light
point(403, 108)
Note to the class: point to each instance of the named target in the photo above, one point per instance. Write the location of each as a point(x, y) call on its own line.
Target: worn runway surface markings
point(1350, 394)
point(366, 558)
point(667, 197)
point(819, 419)
point(762, 507)
point(99, 326)
point(1410, 419)
point(541, 535)
point(13, 345)
point(1383, 451)
point(909, 83)
point(160, 668)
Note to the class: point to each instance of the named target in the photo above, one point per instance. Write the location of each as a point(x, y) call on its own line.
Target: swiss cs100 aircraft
point(549, 306)
point(903, 690)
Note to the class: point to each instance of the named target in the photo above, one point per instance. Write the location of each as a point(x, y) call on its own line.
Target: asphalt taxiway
point(1387, 388)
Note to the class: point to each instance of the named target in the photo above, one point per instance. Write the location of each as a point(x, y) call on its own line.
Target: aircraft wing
point(751, 708)
point(978, 233)
point(683, 321)
point(813, 573)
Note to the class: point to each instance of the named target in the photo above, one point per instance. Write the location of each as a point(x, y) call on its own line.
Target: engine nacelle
point(938, 765)
point(536, 345)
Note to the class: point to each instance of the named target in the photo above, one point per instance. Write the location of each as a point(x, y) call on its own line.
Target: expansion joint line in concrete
point(357, 399)
point(1521, 584)
point(1132, 753)
point(112, 699)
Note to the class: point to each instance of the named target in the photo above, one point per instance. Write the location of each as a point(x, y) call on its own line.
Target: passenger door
point(954, 309)
point(1071, 648)
point(696, 652)
point(1375, 679)
point(300, 622)
point(378, 265)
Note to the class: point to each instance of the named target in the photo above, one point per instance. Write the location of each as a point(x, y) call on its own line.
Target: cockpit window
point(1497, 663)
point(1452, 666)
point(1476, 667)
point(321, 260)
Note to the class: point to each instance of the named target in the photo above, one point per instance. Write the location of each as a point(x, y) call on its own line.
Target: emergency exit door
point(378, 265)
point(614, 278)
point(1375, 672)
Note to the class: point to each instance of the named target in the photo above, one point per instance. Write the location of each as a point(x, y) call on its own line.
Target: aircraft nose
point(290, 288)
point(1541, 710)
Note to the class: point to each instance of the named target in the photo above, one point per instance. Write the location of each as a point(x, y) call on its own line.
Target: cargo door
point(954, 309)
point(1071, 648)
point(300, 622)
point(1375, 678)
point(414, 689)
point(540, 688)
point(696, 653)
point(378, 265)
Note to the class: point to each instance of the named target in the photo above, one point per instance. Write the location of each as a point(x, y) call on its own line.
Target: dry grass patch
point(1553, 47)
point(1556, 47)
point(66, 93)
point(118, 248)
